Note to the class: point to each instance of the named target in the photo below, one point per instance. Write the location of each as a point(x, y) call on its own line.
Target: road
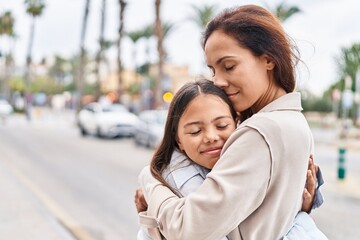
point(88, 183)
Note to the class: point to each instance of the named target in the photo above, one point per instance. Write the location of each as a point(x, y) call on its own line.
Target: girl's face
point(243, 76)
point(203, 129)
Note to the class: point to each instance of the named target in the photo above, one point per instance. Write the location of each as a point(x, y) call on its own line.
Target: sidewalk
point(22, 215)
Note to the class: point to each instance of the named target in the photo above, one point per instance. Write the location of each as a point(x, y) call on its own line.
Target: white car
point(150, 131)
point(5, 108)
point(110, 120)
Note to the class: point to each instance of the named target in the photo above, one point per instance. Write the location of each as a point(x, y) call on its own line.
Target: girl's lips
point(212, 151)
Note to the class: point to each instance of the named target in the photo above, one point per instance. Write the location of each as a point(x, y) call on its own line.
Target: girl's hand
point(310, 186)
point(140, 202)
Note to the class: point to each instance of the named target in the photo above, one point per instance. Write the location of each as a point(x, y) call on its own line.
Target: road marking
point(65, 219)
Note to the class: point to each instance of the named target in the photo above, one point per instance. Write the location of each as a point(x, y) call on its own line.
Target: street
point(88, 183)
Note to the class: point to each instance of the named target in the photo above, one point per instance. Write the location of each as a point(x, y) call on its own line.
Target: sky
point(320, 31)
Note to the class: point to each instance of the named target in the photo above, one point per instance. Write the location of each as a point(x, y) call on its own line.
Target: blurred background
point(84, 91)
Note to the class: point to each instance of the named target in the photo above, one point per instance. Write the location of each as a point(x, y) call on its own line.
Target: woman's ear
point(269, 63)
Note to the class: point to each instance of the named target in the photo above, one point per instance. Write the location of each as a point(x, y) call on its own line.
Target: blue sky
point(320, 31)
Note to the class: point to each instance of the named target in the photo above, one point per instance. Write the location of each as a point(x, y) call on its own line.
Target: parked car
point(5, 109)
point(150, 131)
point(110, 120)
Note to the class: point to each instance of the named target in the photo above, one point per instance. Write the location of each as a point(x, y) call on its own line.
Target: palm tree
point(80, 78)
point(7, 22)
point(34, 8)
point(349, 64)
point(135, 36)
point(122, 6)
point(284, 12)
point(159, 35)
point(203, 15)
point(147, 33)
point(99, 55)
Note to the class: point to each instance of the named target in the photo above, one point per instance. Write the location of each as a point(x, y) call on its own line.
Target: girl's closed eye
point(222, 126)
point(194, 132)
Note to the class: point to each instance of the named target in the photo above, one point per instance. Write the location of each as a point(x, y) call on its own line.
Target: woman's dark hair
point(178, 105)
point(258, 30)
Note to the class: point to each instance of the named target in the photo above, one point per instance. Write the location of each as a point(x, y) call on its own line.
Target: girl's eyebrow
point(200, 122)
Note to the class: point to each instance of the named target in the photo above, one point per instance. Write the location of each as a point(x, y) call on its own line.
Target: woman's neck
point(272, 93)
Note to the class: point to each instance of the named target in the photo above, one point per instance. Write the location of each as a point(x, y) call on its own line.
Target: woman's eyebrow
point(223, 58)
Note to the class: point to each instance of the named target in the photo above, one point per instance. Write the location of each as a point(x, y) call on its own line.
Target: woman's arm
point(231, 192)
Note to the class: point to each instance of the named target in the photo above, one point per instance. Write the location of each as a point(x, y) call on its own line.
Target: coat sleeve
point(233, 190)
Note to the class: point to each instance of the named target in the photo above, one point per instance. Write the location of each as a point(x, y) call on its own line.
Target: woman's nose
point(219, 81)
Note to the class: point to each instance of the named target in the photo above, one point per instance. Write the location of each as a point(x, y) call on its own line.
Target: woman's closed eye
point(229, 68)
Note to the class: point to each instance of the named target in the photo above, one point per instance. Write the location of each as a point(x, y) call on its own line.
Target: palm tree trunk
point(159, 34)
point(122, 5)
point(99, 56)
point(27, 70)
point(80, 79)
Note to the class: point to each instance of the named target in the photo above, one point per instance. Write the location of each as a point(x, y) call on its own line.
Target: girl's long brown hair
point(178, 105)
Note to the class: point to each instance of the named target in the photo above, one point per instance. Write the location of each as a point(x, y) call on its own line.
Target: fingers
point(311, 182)
point(312, 166)
point(140, 202)
point(307, 201)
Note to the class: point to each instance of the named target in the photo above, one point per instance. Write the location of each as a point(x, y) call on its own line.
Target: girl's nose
point(211, 136)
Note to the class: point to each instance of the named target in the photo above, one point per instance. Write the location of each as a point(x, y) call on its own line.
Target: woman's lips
point(231, 95)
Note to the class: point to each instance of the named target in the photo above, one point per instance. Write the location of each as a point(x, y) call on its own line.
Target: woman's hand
point(310, 186)
point(140, 202)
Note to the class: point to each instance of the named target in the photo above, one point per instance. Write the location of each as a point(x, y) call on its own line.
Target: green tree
point(312, 103)
point(7, 22)
point(61, 70)
point(202, 15)
point(348, 63)
point(284, 12)
point(35, 9)
point(135, 36)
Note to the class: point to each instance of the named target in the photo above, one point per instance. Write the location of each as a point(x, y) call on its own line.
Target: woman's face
point(243, 76)
point(203, 129)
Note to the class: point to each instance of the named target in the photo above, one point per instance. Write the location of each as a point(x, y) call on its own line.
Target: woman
point(257, 184)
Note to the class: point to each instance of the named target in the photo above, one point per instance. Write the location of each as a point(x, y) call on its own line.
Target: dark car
point(150, 130)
